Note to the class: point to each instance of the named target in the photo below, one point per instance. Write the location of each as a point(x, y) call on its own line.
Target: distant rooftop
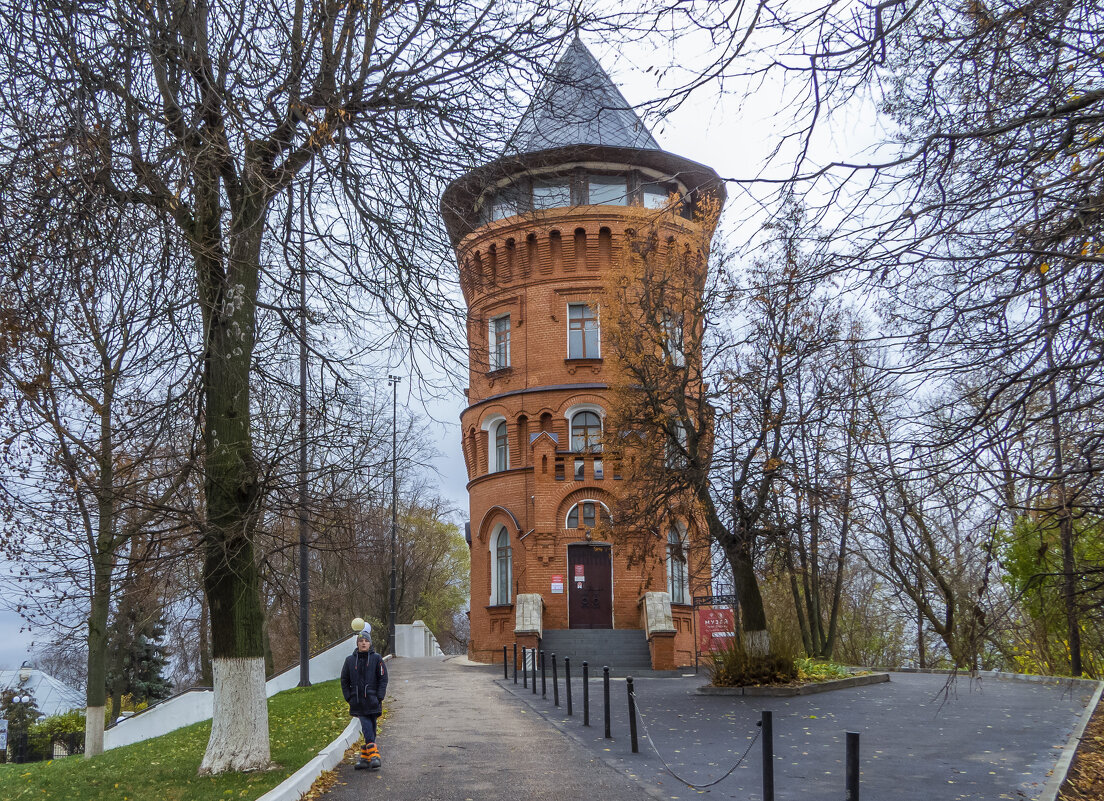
point(50, 695)
point(578, 104)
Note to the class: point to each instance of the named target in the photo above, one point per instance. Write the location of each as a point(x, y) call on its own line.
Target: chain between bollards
point(567, 682)
point(586, 694)
point(605, 699)
point(632, 715)
point(555, 683)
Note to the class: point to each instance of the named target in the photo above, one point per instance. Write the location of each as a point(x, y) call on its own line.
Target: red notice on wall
point(716, 628)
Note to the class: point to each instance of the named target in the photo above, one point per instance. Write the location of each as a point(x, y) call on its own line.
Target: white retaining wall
point(414, 640)
point(196, 705)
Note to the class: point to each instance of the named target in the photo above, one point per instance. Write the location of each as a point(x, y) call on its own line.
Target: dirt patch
point(1085, 781)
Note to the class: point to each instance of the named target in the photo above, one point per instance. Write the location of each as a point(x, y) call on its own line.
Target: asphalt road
point(452, 734)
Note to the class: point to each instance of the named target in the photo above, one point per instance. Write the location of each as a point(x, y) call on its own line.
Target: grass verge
point(302, 721)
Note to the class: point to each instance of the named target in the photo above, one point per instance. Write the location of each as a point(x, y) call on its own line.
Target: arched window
point(503, 567)
point(586, 432)
point(501, 445)
point(587, 514)
point(676, 565)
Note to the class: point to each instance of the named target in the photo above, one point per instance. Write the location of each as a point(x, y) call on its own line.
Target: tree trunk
point(239, 730)
point(96, 692)
point(753, 616)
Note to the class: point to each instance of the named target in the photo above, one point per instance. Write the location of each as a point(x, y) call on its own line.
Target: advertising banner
point(716, 628)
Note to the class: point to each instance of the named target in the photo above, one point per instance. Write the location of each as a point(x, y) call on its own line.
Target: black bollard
point(505, 664)
point(533, 653)
point(544, 677)
point(567, 681)
point(768, 756)
point(515, 663)
point(524, 667)
point(605, 699)
point(586, 694)
point(632, 716)
point(852, 766)
point(555, 683)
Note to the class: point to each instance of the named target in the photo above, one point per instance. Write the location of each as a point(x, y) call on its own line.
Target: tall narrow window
point(582, 332)
point(672, 339)
point(676, 566)
point(503, 568)
point(586, 432)
point(500, 342)
point(502, 449)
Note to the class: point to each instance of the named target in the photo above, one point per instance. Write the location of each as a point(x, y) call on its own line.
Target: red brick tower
point(533, 231)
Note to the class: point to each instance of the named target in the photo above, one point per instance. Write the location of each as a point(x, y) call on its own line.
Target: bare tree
point(206, 115)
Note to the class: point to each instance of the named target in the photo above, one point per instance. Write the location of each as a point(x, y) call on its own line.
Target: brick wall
point(531, 268)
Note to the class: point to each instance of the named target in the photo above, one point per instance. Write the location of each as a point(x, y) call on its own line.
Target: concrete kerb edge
point(608, 760)
point(297, 784)
point(1065, 759)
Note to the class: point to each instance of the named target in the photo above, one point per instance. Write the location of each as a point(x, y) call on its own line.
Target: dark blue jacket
point(364, 682)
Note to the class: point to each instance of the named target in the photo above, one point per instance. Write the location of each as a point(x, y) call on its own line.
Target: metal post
point(852, 766)
point(394, 380)
point(768, 756)
point(586, 694)
point(567, 681)
point(524, 667)
point(533, 654)
point(505, 663)
point(555, 683)
point(605, 699)
point(544, 676)
point(632, 716)
point(515, 662)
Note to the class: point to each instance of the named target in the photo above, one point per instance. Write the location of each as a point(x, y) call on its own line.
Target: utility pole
point(394, 380)
point(304, 575)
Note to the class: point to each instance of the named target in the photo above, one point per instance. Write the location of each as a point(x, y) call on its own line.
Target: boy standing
point(364, 685)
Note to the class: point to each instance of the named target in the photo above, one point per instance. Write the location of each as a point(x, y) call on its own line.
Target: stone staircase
point(622, 650)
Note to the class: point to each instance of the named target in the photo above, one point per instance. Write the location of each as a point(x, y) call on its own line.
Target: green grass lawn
point(302, 721)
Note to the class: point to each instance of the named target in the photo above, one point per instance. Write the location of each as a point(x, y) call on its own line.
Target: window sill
point(493, 607)
point(501, 372)
point(583, 362)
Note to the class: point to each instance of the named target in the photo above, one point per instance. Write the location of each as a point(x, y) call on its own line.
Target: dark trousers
point(368, 726)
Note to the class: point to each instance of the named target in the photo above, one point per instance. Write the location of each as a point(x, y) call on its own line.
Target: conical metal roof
point(578, 104)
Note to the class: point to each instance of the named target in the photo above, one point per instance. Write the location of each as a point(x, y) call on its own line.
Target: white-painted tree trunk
point(757, 643)
point(239, 726)
point(93, 731)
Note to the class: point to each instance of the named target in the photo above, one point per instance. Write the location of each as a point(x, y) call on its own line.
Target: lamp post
point(304, 564)
point(393, 381)
point(21, 739)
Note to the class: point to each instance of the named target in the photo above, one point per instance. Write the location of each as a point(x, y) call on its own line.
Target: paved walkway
point(462, 732)
point(454, 735)
point(920, 740)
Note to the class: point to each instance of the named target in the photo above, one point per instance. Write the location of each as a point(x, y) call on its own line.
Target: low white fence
point(193, 706)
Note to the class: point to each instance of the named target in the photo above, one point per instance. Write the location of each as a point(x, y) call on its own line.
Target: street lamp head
point(393, 379)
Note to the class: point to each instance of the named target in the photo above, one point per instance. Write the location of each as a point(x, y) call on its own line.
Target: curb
point(297, 784)
point(805, 689)
point(1065, 759)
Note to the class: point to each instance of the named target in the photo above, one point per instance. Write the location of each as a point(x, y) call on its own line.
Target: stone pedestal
point(659, 626)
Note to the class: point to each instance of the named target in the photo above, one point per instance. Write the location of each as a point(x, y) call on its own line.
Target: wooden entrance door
point(590, 587)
